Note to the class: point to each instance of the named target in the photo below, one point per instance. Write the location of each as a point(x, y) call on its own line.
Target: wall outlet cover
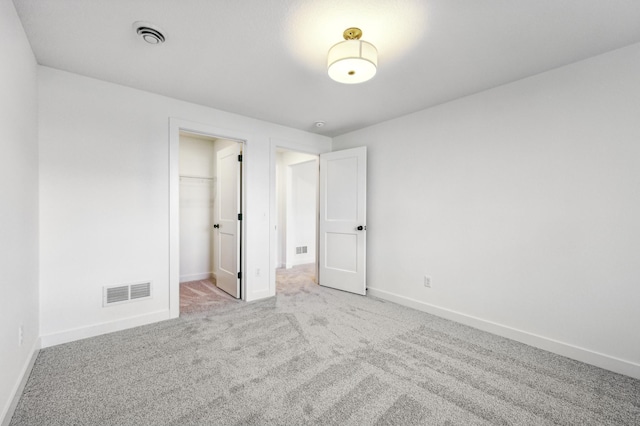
point(427, 281)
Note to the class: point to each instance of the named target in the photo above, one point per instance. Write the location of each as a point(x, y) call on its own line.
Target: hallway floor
point(202, 295)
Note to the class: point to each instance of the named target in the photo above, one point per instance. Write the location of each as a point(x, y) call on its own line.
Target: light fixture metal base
point(352, 33)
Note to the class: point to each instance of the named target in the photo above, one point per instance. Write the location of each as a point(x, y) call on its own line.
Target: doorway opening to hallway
point(297, 177)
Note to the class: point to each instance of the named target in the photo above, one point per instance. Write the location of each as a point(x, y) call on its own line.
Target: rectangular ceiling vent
point(113, 295)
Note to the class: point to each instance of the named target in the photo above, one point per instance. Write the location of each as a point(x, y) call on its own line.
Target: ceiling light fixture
point(149, 33)
point(352, 60)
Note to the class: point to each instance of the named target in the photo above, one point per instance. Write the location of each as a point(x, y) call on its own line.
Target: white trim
point(103, 328)
point(176, 125)
point(16, 393)
point(301, 260)
point(195, 277)
point(259, 295)
point(601, 360)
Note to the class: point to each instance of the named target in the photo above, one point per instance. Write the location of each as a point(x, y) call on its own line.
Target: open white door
point(343, 188)
point(227, 219)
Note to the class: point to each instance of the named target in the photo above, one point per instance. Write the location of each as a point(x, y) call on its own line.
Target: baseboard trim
point(195, 277)
point(258, 295)
point(303, 260)
point(103, 328)
point(10, 408)
point(598, 359)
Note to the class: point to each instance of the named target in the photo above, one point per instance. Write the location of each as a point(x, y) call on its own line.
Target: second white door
point(343, 188)
point(227, 219)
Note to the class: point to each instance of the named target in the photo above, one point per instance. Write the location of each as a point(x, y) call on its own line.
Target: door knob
point(360, 228)
point(216, 226)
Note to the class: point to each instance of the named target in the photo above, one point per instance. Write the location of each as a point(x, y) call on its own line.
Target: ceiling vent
point(149, 33)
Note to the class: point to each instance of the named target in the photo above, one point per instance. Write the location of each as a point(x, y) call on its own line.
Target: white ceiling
point(267, 58)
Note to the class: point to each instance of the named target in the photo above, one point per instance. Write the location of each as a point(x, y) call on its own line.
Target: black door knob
point(216, 226)
point(360, 228)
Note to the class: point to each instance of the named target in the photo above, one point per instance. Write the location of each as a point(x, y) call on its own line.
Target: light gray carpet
point(317, 356)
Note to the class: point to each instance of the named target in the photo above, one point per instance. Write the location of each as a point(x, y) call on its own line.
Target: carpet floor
point(318, 356)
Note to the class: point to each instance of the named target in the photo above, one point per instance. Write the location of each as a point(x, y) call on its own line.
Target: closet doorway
point(210, 189)
point(297, 217)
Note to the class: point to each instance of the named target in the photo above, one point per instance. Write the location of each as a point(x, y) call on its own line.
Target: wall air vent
point(114, 295)
point(117, 294)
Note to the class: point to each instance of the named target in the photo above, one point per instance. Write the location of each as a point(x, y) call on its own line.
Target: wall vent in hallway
point(113, 295)
point(301, 250)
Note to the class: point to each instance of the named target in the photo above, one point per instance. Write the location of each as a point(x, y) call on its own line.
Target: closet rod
point(197, 177)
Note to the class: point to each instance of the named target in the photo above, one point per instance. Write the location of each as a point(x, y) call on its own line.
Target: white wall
point(522, 203)
point(302, 199)
point(197, 159)
point(19, 206)
point(288, 238)
point(104, 168)
point(197, 156)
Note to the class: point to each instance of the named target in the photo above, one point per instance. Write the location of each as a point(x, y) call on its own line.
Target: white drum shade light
point(353, 60)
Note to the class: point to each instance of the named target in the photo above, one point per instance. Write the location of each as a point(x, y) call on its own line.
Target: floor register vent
point(114, 295)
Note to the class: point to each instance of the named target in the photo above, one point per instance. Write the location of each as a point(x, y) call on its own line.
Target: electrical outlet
point(427, 281)
point(258, 272)
point(20, 335)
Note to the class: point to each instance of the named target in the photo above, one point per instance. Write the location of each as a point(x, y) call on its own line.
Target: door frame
point(177, 125)
point(275, 144)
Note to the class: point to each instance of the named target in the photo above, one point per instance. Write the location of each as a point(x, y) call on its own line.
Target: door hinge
point(239, 275)
point(240, 158)
point(239, 216)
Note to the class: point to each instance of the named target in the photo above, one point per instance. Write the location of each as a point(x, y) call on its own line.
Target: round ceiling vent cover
point(149, 33)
